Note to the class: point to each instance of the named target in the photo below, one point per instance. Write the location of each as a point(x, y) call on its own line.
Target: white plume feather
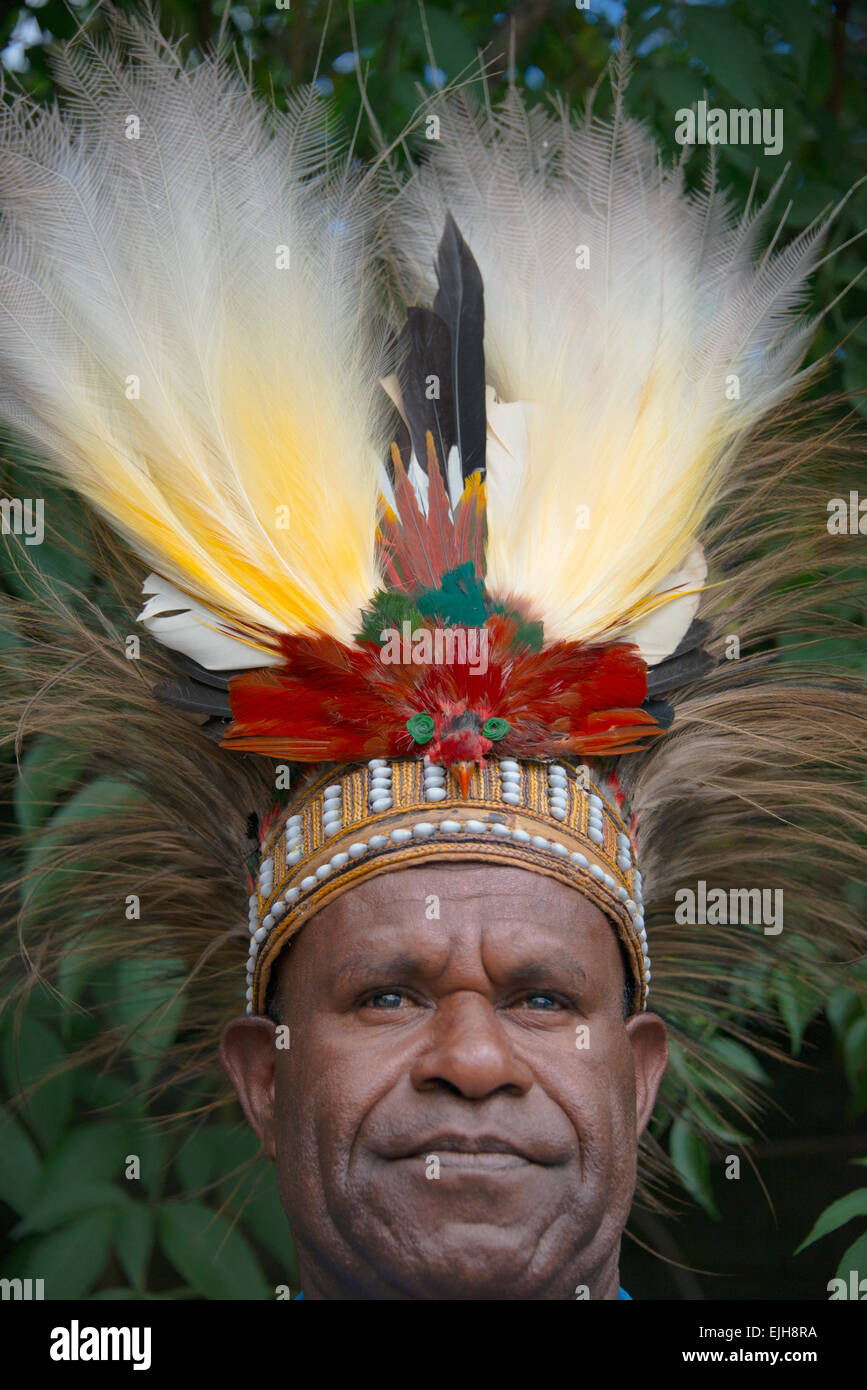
point(221, 410)
point(616, 381)
point(180, 623)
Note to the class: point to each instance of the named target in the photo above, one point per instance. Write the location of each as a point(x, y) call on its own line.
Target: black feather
point(215, 729)
point(194, 697)
point(427, 351)
point(678, 670)
point(218, 679)
point(661, 711)
point(460, 303)
point(695, 636)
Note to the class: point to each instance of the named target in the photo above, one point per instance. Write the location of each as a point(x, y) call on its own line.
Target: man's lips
point(475, 1150)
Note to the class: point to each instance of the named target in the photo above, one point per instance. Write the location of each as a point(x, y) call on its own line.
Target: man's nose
point(469, 1051)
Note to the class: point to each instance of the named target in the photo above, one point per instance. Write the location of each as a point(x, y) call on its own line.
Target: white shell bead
point(333, 791)
point(450, 826)
point(596, 836)
point(378, 762)
point(308, 882)
point(377, 841)
point(511, 798)
point(500, 829)
point(435, 793)
point(424, 829)
point(401, 835)
point(260, 934)
point(557, 813)
point(580, 860)
point(597, 872)
point(509, 765)
point(522, 836)
point(540, 842)
point(357, 849)
point(560, 849)
point(295, 857)
point(476, 826)
point(380, 803)
point(339, 860)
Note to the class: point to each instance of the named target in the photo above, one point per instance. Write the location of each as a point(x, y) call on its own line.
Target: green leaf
point(212, 1256)
point(256, 1200)
point(19, 1164)
point(690, 1158)
point(104, 796)
point(48, 769)
point(843, 1008)
point(837, 1214)
point(855, 1062)
point(854, 1258)
point(714, 1123)
point(195, 1162)
point(453, 50)
point(734, 56)
point(30, 1054)
point(95, 1151)
point(71, 1260)
point(134, 1240)
point(59, 1205)
point(738, 1057)
point(797, 20)
point(148, 1007)
point(797, 1003)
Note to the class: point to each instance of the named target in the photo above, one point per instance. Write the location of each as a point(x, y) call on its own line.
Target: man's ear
point(650, 1058)
point(247, 1049)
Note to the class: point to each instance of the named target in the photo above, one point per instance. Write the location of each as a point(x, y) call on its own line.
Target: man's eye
point(539, 1000)
point(385, 999)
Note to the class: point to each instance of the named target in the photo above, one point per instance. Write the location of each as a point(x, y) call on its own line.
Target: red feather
point(330, 702)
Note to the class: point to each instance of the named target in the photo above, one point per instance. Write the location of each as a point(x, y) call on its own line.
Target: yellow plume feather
point(182, 334)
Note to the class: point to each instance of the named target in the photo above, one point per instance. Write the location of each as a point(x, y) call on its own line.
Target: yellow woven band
point(358, 821)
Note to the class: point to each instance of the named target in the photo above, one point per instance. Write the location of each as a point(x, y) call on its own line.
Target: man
point(444, 584)
point(457, 1115)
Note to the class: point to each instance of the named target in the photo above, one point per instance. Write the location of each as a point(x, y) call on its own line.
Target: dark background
point(201, 1223)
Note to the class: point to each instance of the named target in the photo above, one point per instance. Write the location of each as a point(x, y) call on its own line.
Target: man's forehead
point(441, 903)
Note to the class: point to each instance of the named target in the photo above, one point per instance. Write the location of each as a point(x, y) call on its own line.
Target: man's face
point(458, 1112)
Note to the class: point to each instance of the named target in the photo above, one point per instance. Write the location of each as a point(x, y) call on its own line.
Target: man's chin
point(466, 1260)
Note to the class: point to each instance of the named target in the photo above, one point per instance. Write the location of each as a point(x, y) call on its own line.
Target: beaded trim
point(359, 821)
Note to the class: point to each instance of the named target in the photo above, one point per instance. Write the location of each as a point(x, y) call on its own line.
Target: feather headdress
point(189, 294)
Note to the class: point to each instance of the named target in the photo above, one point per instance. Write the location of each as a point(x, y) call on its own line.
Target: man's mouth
point(483, 1152)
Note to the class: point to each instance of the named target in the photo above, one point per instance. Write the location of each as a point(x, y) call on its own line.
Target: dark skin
point(437, 1132)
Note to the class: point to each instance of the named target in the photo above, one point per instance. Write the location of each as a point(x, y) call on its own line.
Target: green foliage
point(76, 1219)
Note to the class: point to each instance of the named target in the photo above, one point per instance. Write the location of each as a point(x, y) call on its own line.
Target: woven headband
point(356, 822)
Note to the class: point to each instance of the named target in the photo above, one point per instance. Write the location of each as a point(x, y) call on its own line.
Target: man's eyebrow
point(552, 967)
point(365, 961)
point(407, 965)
